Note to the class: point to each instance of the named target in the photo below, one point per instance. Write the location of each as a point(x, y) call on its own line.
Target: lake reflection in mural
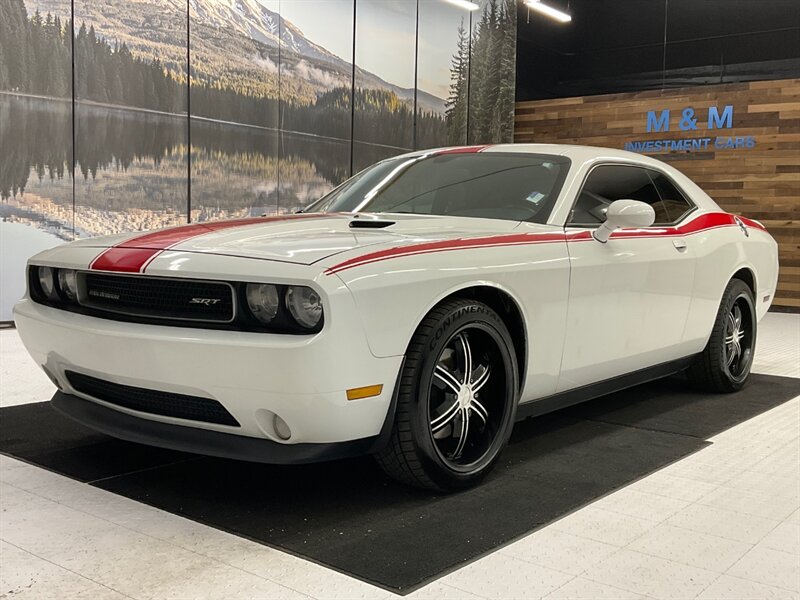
point(131, 168)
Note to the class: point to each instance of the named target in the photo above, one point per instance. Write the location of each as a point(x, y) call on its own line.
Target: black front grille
point(154, 402)
point(159, 297)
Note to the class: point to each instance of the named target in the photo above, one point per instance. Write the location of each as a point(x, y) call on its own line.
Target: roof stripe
point(463, 150)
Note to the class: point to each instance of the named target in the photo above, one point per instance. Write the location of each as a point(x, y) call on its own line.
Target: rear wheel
point(724, 365)
point(457, 399)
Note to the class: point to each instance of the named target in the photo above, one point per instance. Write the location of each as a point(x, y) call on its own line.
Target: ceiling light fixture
point(549, 11)
point(466, 4)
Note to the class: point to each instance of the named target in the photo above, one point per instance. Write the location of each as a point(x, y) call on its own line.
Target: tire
point(425, 447)
point(724, 365)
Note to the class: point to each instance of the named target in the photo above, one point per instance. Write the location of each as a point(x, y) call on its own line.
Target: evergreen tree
point(502, 130)
point(457, 101)
point(492, 74)
point(14, 36)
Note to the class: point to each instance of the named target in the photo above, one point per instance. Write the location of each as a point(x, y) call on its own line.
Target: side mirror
point(624, 213)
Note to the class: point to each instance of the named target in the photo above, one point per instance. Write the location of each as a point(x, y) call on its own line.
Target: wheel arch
point(504, 303)
point(748, 276)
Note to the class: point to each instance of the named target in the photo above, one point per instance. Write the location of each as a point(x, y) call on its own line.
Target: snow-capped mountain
point(254, 20)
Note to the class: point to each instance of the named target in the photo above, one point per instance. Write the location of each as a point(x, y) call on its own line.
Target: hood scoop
point(359, 222)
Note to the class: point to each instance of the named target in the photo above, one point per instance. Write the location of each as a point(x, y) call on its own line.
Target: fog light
point(281, 428)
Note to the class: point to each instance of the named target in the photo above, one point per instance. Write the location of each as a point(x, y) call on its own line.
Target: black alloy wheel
point(457, 399)
point(466, 397)
point(725, 363)
point(739, 331)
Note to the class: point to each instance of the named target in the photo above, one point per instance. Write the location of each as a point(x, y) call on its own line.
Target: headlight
point(68, 283)
point(305, 305)
point(262, 299)
point(47, 282)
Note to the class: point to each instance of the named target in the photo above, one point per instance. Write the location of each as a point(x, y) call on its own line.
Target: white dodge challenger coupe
point(415, 312)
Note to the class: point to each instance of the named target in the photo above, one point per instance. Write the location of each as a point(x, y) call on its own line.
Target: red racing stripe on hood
point(133, 255)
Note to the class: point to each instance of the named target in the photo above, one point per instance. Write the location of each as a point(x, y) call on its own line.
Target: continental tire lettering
point(452, 318)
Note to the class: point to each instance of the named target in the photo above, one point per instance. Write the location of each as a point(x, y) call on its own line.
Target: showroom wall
point(713, 87)
point(174, 110)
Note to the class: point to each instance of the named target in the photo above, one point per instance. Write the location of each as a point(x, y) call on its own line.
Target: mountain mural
point(234, 44)
point(301, 58)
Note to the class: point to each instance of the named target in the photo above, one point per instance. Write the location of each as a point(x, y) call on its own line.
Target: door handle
point(680, 245)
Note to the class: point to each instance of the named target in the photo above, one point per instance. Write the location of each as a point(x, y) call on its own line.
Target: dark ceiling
point(618, 45)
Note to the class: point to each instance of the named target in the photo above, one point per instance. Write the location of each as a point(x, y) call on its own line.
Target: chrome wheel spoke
point(463, 427)
point(737, 348)
point(737, 318)
point(465, 348)
point(738, 337)
point(733, 351)
point(447, 378)
point(734, 336)
point(444, 419)
point(472, 411)
point(481, 380)
point(731, 357)
point(462, 438)
point(479, 410)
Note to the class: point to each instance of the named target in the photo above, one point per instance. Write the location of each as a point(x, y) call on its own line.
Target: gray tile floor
point(722, 523)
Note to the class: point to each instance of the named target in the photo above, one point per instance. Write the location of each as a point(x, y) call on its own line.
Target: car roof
point(575, 152)
point(578, 154)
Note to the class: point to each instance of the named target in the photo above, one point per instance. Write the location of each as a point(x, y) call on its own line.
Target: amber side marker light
point(364, 392)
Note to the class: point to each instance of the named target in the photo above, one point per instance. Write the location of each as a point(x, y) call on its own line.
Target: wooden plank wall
point(762, 182)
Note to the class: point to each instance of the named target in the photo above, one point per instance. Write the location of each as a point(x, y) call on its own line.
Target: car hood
point(304, 238)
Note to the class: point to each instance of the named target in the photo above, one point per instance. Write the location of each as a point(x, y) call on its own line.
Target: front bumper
point(302, 379)
point(202, 441)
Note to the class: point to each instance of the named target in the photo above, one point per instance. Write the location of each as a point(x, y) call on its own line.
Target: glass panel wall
point(316, 93)
point(35, 136)
point(442, 74)
point(131, 130)
point(235, 91)
point(384, 80)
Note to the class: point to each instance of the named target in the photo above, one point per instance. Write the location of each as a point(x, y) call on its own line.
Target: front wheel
point(724, 365)
point(457, 399)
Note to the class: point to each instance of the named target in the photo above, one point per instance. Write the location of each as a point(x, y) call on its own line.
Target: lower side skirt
point(548, 404)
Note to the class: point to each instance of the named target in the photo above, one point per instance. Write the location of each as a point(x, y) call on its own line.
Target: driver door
point(628, 298)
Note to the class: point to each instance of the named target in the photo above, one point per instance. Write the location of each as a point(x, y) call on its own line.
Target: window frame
point(692, 203)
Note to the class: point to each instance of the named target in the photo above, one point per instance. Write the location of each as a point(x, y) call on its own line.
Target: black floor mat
point(349, 516)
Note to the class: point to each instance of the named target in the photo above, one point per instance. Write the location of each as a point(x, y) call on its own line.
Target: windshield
point(492, 185)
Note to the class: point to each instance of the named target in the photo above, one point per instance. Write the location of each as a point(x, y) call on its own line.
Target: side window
point(675, 203)
point(608, 183)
